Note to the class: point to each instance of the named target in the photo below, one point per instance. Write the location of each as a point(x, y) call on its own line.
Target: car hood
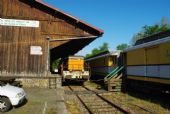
point(9, 90)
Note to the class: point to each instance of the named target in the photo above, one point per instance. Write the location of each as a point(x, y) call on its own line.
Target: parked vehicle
point(74, 68)
point(103, 63)
point(10, 96)
point(147, 64)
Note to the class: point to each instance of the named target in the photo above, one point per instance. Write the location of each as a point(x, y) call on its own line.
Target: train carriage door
point(152, 61)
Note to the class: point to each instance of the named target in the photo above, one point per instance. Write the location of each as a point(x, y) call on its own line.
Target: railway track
point(94, 103)
point(131, 107)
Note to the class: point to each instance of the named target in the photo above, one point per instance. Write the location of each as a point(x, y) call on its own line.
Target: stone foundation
point(41, 82)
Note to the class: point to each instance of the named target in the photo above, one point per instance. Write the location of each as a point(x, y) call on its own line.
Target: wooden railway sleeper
point(109, 102)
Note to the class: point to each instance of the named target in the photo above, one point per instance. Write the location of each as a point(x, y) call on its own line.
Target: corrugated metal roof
point(107, 53)
point(70, 16)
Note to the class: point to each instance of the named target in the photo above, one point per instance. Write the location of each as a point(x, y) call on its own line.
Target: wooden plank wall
point(15, 42)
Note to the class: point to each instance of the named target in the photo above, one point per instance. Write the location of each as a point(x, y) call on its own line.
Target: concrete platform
point(61, 108)
point(42, 101)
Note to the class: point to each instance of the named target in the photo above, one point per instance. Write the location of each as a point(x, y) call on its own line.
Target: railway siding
point(136, 105)
point(93, 101)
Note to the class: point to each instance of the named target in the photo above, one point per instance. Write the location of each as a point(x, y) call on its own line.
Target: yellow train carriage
point(149, 63)
point(102, 64)
point(74, 68)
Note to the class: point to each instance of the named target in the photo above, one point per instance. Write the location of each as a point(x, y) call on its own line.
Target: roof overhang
point(70, 48)
point(70, 45)
point(78, 21)
point(114, 53)
point(148, 44)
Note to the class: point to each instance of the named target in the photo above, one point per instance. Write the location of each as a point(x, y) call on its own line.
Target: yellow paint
point(75, 64)
point(149, 79)
point(152, 55)
point(111, 60)
point(165, 53)
point(136, 57)
point(159, 54)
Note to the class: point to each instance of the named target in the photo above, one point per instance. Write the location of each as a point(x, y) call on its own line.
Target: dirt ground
point(37, 100)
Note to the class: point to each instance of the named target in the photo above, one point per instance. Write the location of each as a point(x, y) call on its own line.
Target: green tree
point(95, 51)
point(100, 49)
point(122, 46)
point(87, 55)
point(104, 47)
point(55, 64)
point(150, 30)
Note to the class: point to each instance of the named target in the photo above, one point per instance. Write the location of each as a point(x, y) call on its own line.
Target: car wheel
point(5, 104)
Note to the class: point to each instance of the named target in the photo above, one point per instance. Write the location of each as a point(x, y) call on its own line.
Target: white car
point(10, 96)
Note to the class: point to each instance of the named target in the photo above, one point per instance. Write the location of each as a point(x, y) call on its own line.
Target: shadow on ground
point(158, 98)
point(162, 99)
point(73, 83)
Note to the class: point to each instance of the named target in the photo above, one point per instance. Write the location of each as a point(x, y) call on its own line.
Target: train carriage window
point(115, 59)
point(104, 61)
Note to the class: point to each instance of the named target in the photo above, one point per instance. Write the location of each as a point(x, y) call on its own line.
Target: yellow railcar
point(148, 64)
point(74, 68)
point(102, 64)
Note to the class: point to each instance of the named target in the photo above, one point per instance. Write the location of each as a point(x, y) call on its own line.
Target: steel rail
point(147, 110)
point(142, 108)
point(88, 109)
point(105, 100)
point(110, 103)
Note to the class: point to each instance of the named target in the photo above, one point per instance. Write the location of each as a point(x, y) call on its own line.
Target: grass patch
point(91, 85)
point(72, 107)
point(126, 100)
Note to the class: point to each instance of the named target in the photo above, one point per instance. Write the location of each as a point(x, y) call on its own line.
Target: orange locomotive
point(74, 68)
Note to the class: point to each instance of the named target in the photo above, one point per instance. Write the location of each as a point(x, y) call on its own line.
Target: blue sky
point(120, 19)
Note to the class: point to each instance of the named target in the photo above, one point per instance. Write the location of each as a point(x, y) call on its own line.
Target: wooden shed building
point(33, 33)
